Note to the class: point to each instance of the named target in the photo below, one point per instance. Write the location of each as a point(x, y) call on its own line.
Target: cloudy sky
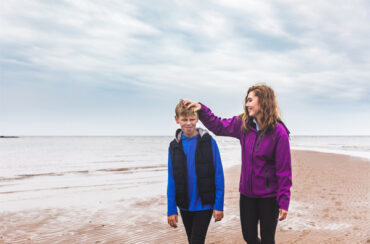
point(119, 67)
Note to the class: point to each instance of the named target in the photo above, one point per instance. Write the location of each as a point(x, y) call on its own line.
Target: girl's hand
point(283, 213)
point(218, 215)
point(172, 220)
point(190, 104)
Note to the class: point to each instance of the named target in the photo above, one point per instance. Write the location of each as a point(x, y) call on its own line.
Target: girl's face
point(252, 105)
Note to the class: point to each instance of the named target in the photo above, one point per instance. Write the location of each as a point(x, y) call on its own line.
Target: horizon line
point(131, 135)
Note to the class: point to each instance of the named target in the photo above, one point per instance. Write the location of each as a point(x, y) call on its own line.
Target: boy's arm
point(171, 194)
point(219, 178)
point(219, 126)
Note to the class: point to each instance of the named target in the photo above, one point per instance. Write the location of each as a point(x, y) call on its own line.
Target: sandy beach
point(330, 204)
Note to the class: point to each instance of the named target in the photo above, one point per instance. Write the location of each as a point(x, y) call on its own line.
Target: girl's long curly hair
point(268, 106)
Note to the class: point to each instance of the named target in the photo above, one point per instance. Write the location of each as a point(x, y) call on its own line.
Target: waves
point(91, 172)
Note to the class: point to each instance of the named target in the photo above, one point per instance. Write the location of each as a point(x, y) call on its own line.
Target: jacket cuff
point(218, 208)
point(284, 204)
point(202, 109)
point(169, 213)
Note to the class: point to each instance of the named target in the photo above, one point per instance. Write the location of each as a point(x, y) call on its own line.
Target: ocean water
point(358, 146)
point(80, 171)
point(44, 172)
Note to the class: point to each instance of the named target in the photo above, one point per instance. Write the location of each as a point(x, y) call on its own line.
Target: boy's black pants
point(196, 224)
point(265, 210)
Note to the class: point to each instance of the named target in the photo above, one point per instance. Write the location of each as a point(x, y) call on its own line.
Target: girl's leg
point(200, 226)
point(269, 213)
point(249, 219)
point(188, 219)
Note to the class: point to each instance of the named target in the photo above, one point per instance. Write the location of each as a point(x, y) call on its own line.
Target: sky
point(120, 67)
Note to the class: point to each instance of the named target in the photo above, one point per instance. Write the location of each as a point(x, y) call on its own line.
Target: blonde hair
point(268, 105)
point(182, 110)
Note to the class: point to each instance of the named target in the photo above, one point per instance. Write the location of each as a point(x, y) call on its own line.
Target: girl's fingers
point(283, 213)
point(186, 102)
point(189, 103)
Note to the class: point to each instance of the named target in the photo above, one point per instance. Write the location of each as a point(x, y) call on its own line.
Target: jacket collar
point(201, 133)
point(253, 126)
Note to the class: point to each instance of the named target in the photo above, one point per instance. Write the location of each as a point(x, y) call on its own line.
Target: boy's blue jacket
point(195, 204)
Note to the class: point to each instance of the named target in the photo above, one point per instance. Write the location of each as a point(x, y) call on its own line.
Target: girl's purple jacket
point(266, 163)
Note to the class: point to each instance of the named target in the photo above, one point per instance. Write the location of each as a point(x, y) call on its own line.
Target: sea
point(61, 171)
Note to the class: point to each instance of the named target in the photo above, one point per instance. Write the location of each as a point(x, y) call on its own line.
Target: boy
point(195, 177)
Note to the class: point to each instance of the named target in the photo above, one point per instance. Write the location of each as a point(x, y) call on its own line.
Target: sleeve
point(219, 178)
point(219, 126)
point(171, 193)
point(283, 171)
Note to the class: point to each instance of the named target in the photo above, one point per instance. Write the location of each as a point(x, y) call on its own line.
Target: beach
point(330, 204)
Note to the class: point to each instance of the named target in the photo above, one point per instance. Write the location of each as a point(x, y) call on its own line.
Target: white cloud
point(310, 48)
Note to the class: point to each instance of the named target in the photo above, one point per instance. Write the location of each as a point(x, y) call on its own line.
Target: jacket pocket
point(267, 178)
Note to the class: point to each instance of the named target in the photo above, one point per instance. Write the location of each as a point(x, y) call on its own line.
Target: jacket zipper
point(267, 178)
point(258, 141)
point(253, 149)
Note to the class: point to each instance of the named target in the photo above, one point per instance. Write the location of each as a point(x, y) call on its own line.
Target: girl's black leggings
point(196, 224)
point(264, 210)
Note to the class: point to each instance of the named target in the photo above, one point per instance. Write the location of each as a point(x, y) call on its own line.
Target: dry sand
point(330, 204)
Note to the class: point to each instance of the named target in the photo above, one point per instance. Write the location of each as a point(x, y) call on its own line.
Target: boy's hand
point(172, 220)
point(190, 104)
point(218, 215)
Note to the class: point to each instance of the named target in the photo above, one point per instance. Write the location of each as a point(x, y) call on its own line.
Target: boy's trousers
point(196, 224)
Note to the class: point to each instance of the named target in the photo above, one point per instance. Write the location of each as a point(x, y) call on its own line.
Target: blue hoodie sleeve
point(219, 178)
point(171, 193)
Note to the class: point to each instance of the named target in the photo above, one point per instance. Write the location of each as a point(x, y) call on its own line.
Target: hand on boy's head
point(189, 104)
point(218, 215)
point(172, 220)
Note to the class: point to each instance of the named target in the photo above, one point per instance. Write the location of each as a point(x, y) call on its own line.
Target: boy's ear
point(176, 119)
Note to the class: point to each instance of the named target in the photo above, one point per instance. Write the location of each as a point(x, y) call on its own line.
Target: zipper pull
point(258, 141)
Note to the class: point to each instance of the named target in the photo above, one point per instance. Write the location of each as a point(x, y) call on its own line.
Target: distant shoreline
point(9, 136)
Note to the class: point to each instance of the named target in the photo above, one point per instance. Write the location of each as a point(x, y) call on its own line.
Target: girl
point(266, 175)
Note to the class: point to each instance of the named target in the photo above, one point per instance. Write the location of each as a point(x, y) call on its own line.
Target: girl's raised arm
point(219, 126)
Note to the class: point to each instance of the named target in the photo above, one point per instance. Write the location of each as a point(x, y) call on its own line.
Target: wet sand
point(330, 204)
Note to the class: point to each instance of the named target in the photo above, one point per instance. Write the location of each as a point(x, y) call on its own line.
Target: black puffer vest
point(203, 166)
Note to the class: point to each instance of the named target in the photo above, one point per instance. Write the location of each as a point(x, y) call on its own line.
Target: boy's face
point(188, 124)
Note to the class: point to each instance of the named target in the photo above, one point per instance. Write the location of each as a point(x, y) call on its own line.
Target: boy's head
point(186, 118)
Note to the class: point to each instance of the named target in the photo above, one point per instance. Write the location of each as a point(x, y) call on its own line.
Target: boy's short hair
point(182, 110)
